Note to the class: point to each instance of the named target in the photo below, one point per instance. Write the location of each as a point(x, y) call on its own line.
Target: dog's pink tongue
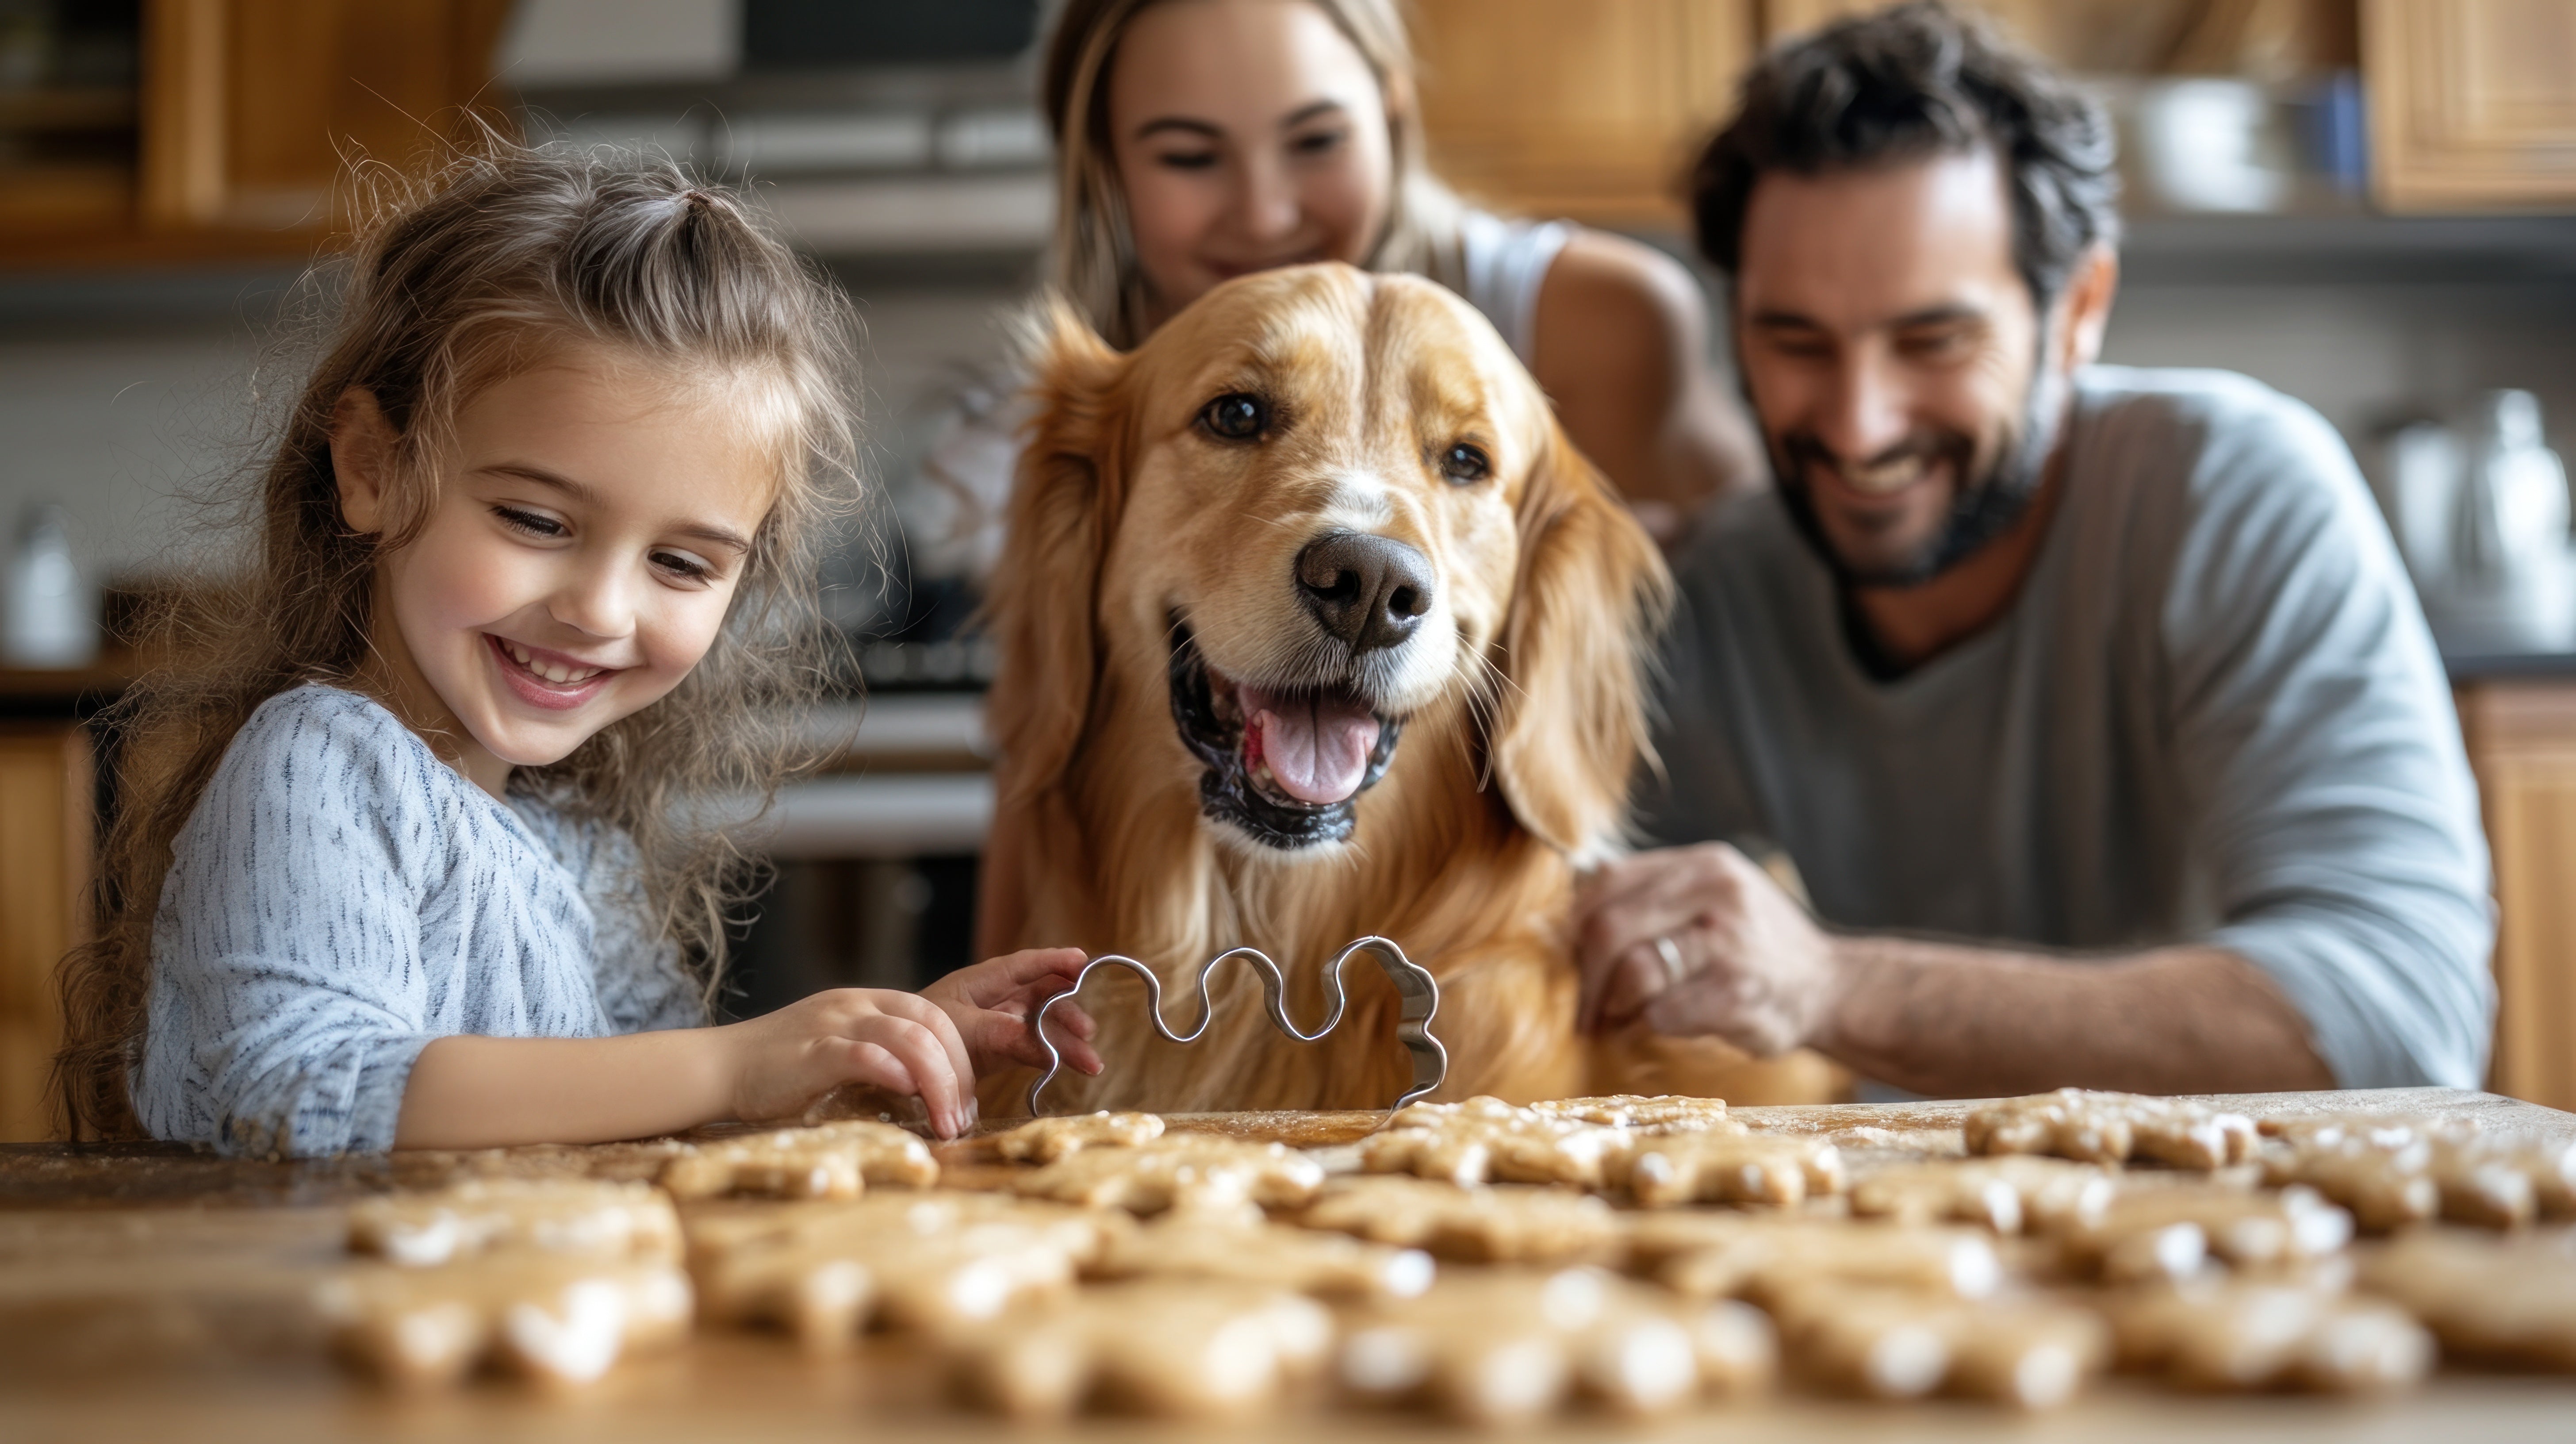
point(1317, 747)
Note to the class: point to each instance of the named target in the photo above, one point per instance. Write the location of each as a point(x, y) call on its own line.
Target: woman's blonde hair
point(457, 282)
point(1093, 262)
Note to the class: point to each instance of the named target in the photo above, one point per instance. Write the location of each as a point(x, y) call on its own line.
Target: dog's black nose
point(1370, 591)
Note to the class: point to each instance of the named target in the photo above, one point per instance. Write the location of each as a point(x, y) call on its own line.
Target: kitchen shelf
point(2467, 667)
point(67, 107)
point(2354, 247)
point(45, 197)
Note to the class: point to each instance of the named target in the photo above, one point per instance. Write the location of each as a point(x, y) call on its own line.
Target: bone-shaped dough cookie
point(1187, 1171)
point(2172, 1232)
point(1645, 1114)
point(2509, 1300)
point(2395, 1171)
point(830, 1160)
point(580, 1216)
point(2008, 1194)
point(2111, 1128)
point(2382, 1178)
point(2497, 1184)
point(1506, 1223)
point(1189, 1349)
point(1044, 1140)
point(1498, 1345)
point(1757, 1256)
point(1205, 1246)
point(1487, 1140)
point(2229, 1334)
point(1895, 1343)
point(930, 1261)
point(1725, 1166)
point(554, 1318)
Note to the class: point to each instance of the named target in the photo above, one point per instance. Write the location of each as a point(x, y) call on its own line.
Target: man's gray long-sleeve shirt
point(2214, 714)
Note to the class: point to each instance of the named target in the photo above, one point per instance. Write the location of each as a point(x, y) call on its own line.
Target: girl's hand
point(901, 1042)
point(991, 1003)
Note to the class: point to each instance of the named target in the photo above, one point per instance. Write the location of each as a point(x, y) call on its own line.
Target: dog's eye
point(1236, 416)
point(1464, 463)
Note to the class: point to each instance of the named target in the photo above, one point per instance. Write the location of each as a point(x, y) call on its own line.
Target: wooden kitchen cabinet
point(2027, 20)
point(1593, 111)
point(2139, 37)
point(2472, 103)
point(239, 118)
point(46, 852)
point(1588, 111)
point(2522, 745)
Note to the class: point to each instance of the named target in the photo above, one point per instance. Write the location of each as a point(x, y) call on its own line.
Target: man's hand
point(1700, 941)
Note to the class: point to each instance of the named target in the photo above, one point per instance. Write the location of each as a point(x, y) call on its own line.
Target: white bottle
point(2513, 582)
point(52, 612)
point(2418, 485)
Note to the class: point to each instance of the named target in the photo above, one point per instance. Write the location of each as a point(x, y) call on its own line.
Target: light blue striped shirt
point(339, 899)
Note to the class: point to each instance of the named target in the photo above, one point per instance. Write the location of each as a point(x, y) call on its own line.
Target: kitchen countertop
point(152, 1293)
point(2465, 667)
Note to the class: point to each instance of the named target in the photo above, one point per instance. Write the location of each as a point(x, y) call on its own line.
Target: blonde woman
point(1198, 140)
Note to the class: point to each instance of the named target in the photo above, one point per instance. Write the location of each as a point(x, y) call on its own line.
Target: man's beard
point(1986, 506)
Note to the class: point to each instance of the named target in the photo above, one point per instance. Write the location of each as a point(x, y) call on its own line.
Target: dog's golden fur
point(1521, 696)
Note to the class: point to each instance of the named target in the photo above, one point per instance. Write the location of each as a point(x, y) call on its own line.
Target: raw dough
point(1642, 1113)
point(931, 1261)
point(2394, 1171)
point(1761, 1256)
point(1190, 1171)
point(2009, 1194)
point(1045, 1140)
point(1732, 1166)
point(2496, 1300)
point(1486, 1140)
point(1893, 1343)
point(2228, 1334)
point(550, 1317)
point(1500, 1345)
point(1506, 1223)
point(2111, 1128)
point(1187, 1349)
point(1208, 1246)
point(2174, 1232)
point(831, 1160)
point(564, 1216)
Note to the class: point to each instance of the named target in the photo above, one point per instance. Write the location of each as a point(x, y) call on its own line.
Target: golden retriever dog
point(1314, 626)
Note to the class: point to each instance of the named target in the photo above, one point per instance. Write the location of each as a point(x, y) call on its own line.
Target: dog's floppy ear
point(1046, 583)
point(1591, 590)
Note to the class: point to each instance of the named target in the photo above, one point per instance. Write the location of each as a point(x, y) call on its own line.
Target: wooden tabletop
point(148, 1293)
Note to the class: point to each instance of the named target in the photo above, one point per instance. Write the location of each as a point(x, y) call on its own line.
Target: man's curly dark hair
point(1917, 80)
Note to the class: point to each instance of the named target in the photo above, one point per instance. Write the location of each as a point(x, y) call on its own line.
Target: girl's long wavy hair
point(1093, 258)
point(460, 280)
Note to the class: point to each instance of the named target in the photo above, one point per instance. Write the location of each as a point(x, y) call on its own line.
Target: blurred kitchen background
point(2370, 204)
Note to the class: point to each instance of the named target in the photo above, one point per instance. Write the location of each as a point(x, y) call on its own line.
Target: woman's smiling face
point(577, 563)
point(1247, 134)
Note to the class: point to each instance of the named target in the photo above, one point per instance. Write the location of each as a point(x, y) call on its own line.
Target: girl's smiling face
point(577, 562)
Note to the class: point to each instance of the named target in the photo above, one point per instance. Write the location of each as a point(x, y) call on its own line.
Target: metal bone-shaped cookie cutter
point(1418, 990)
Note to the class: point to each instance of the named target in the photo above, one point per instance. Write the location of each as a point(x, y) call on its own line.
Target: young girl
point(414, 852)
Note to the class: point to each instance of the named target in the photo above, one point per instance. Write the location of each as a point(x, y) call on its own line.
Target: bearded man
point(2091, 704)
